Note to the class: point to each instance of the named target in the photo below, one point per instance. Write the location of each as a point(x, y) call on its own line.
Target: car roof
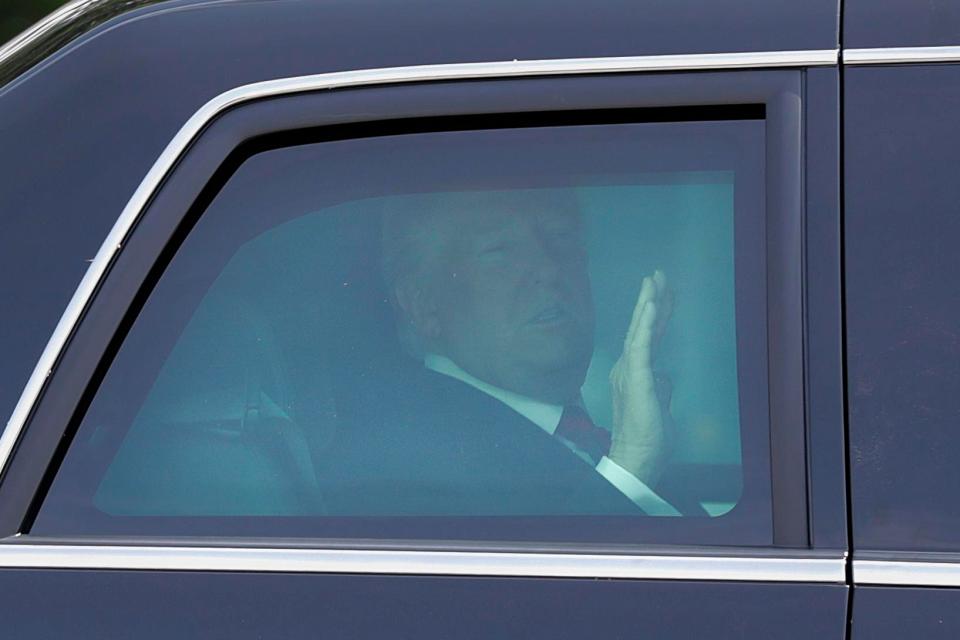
point(531, 28)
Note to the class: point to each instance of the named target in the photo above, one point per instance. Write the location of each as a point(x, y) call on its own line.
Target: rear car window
point(540, 333)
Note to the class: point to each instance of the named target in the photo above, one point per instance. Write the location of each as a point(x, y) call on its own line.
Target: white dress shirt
point(547, 417)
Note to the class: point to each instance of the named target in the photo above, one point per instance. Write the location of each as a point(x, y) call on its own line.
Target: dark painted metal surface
point(902, 131)
point(893, 613)
point(81, 129)
point(147, 606)
point(901, 23)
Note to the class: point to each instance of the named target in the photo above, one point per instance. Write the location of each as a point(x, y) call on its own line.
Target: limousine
point(481, 319)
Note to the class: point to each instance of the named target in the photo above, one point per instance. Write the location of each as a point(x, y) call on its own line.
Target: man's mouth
point(550, 315)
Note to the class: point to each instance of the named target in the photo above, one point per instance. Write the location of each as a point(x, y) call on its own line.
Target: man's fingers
point(664, 301)
point(653, 289)
point(660, 281)
point(647, 290)
point(664, 312)
point(642, 342)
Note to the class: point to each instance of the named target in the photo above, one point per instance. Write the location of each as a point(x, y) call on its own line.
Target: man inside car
point(492, 291)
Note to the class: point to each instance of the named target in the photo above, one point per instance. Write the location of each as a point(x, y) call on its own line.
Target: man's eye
point(564, 233)
point(493, 250)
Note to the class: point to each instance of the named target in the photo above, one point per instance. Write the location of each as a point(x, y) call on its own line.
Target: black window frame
point(166, 221)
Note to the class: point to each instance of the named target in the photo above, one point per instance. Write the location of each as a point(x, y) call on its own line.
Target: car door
point(173, 478)
point(900, 194)
point(242, 425)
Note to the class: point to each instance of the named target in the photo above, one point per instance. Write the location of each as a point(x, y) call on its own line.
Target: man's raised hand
point(639, 438)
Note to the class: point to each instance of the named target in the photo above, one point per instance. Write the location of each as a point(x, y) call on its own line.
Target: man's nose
point(545, 265)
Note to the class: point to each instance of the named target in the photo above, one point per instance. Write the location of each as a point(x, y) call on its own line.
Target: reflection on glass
point(560, 344)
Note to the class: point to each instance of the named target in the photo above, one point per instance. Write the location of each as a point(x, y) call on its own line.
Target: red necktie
point(577, 427)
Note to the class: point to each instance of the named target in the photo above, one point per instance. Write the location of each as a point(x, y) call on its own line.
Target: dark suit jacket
point(432, 445)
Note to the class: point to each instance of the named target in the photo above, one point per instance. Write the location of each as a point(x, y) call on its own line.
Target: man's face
point(512, 296)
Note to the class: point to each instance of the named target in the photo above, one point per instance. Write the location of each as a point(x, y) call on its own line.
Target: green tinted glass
point(535, 323)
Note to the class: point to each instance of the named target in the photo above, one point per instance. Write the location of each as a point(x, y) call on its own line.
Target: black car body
point(120, 122)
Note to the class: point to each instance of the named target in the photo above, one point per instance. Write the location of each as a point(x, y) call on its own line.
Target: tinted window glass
point(419, 335)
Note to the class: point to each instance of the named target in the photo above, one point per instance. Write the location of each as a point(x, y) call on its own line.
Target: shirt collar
point(544, 415)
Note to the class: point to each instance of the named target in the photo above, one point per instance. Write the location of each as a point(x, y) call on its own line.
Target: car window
point(546, 332)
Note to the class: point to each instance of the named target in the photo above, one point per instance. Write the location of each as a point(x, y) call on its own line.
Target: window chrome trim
point(338, 80)
point(913, 573)
point(812, 568)
point(900, 55)
point(33, 33)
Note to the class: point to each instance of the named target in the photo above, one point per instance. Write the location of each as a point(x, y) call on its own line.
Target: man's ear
point(418, 308)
